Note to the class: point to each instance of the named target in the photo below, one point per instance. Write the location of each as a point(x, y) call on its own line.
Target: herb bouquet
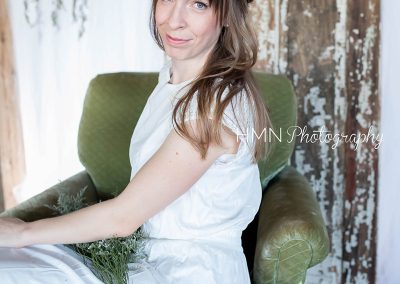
point(108, 259)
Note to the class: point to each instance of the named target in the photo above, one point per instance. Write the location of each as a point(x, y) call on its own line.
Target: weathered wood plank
point(12, 165)
point(363, 114)
point(263, 15)
point(313, 70)
point(330, 51)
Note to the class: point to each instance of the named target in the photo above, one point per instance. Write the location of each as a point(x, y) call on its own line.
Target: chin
point(176, 54)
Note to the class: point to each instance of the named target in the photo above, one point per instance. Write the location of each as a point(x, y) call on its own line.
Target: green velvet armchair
point(288, 234)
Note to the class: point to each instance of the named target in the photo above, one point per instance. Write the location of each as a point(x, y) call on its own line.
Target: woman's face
point(188, 29)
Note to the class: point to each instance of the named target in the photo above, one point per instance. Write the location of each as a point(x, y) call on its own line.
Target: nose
point(177, 17)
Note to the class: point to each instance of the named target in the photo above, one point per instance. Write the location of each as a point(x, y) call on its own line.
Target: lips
point(174, 40)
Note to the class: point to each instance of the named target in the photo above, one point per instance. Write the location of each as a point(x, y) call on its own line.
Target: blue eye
point(201, 5)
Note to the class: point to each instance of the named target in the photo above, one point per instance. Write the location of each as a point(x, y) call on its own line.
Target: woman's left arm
point(171, 171)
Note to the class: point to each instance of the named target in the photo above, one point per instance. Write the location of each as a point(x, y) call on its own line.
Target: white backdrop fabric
point(54, 68)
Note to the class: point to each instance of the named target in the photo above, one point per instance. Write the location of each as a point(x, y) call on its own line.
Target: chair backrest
point(281, 102)
point(114, 103)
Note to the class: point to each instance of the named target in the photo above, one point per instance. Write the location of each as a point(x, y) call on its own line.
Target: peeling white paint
point(327, 53)
point(302, 167)
point(360, 278)
point(363, 103)
point(283, 15)
point(367, 51)
point(267, 37)
point(371, 6)
point(317, 104)
point(307, 13)
point(365, 215)
point(282, 66)
point(277, 35)
point(295, 80)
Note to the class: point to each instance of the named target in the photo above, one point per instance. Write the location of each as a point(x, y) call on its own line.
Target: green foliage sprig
point(108, 259)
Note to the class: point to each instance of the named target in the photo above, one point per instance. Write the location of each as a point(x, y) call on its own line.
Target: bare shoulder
point(229, 140)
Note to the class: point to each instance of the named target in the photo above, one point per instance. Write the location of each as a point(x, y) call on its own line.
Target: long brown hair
point(228, 67)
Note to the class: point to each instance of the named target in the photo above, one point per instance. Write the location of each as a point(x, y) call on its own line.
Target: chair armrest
point(291, 235)
point(35, 209)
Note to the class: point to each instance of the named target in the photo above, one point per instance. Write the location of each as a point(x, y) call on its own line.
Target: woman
point(195, 181)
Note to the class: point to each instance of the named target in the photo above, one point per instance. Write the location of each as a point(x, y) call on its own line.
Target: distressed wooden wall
point(330, 51)
point(12, 162)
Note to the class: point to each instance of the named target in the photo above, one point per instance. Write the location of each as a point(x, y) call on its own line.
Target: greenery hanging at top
point(79, 12)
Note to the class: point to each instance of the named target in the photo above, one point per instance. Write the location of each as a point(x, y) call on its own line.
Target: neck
point(183, 70)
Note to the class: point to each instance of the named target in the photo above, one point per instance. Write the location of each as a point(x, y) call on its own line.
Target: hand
point(11, 230)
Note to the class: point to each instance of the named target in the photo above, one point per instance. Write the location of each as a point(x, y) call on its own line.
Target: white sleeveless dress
point(195, 239)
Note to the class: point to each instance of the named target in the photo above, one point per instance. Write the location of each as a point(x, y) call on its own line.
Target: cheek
point(160, 14)
point(206, 28)
point(208, 33)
